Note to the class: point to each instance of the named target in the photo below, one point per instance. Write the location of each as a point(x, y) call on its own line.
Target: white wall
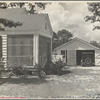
point(4, 48)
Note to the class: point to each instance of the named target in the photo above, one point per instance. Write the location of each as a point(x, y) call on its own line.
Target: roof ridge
point(75, 39)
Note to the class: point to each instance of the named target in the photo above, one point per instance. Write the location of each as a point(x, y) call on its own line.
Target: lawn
point(81, 82)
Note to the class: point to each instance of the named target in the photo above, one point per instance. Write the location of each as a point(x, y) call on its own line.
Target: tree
point(61, 37)
point(64, 36)
point(95, 43)
point(54, 40)
point(4, 5)
point(8, 23)
point(94, 8)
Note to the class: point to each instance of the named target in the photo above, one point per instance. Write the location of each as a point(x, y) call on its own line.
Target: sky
point(70, 16)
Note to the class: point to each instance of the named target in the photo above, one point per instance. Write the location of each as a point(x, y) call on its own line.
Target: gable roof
point(14, 11)
point(78, 39)
point(30, 21)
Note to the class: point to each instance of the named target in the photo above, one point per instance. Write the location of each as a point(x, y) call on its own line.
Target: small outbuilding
point(27, 44)
point(79, 52)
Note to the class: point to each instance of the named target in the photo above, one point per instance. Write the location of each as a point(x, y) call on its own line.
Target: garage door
point(87, 57)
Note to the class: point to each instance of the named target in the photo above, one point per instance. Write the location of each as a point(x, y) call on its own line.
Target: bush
point(50, 68)
point(54, 68)
point(19, 70)
point(2, 63)
point(40, 71)
point(59, 65)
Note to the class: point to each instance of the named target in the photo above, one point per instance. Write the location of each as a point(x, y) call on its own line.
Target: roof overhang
point(78, 39)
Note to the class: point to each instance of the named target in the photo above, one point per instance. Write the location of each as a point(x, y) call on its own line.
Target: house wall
point(71, 51)
point(44, 49)
point(44, 30)
point(4, 49)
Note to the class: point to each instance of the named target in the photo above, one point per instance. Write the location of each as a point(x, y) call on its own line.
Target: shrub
point(19, 70)
point(2, 63)
point(40, 71)
point(50, 68)
point(54, 68)
point(59, 65)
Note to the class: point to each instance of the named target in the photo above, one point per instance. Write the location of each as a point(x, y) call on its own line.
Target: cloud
point(57, 15)
point(70, 16)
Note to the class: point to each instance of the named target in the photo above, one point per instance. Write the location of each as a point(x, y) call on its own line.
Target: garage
point(79, 53)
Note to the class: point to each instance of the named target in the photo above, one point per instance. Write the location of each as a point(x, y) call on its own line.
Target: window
point(63, 53)
point(20, 49)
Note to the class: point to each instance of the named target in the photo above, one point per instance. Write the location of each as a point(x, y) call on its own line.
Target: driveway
point(81, 82)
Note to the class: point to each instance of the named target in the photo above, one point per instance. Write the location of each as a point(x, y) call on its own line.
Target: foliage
point(54, 40)
point(40, 71)
point(1, 66)
point(95, 43)
point(8, 23)
point(2, 63)
point(94, 8)
point(50, 68)
point(60, 64)
point(61, 37)
point(54, 68)
point(24, 71)
point(19, 71)
point(31, 6)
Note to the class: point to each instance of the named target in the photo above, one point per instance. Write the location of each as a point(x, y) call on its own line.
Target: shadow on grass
point(65, 72)
point(34, 80)
point(21, 81)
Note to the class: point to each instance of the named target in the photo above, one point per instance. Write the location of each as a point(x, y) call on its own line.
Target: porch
point(25, 50)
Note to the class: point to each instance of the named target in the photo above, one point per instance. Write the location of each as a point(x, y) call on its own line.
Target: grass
point(79, 82)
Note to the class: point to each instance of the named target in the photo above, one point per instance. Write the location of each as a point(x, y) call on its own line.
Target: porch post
point(35, 49)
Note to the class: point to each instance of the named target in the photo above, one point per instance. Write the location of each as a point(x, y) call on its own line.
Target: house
point(79, 52)
point(27, 44)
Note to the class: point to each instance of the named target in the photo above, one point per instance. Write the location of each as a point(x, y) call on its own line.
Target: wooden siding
point(71, 58)
point(4, 49)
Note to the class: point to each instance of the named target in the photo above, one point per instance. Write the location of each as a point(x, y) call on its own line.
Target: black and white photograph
point(49, 49)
